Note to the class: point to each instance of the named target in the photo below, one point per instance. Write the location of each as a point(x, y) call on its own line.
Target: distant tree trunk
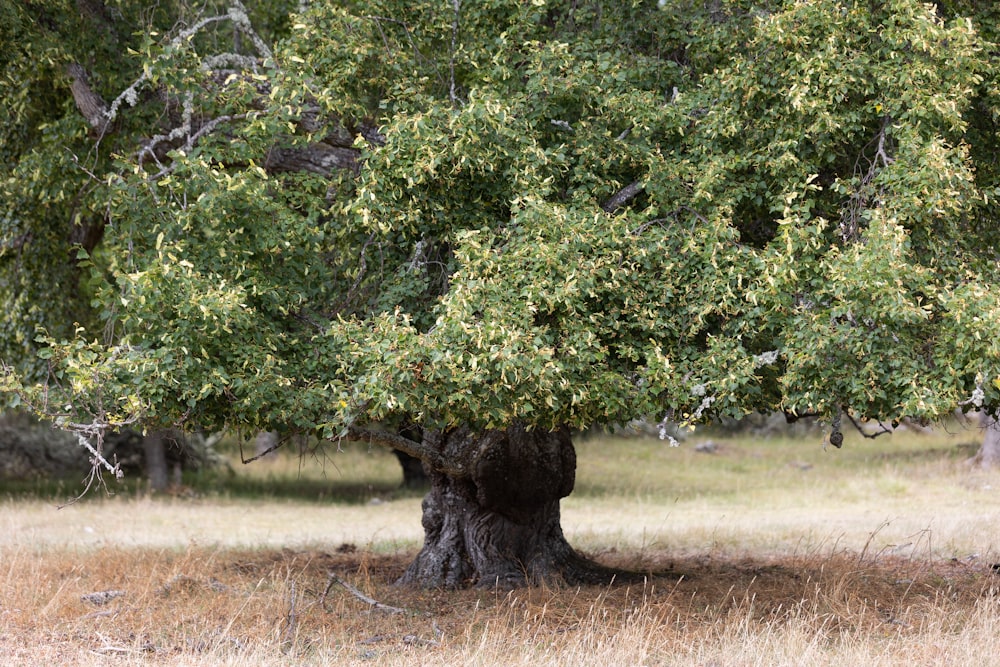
point(988, 455)
point(414, 475)
point(154, 447)
point(497, 523)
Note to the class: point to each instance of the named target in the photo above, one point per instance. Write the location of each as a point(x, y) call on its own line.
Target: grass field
point(765, 552)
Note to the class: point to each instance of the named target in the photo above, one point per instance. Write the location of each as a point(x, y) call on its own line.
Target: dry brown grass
point(773, 553)
point(267, 607)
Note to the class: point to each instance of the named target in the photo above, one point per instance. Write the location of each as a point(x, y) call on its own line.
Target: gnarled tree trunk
point(493, 519)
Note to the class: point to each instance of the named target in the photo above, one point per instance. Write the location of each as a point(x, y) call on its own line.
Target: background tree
point(988, 455)
point(55, 56)
point(499, 221)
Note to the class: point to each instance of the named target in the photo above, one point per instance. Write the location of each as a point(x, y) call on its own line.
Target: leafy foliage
point(550, 212)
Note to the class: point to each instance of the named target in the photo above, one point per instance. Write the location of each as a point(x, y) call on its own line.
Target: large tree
point(499, 221)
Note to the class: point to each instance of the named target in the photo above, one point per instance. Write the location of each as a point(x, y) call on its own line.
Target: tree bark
point(154, 446)
point(499, 525)
point(414, 475)
point(988, 455)
point(91, 105)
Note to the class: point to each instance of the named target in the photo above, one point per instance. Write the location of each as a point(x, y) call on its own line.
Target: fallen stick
point(334, 579)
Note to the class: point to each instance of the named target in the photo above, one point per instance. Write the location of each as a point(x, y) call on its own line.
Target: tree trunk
point(154, 447)
point(989, 452)
point(497, 523)
point(414, 475)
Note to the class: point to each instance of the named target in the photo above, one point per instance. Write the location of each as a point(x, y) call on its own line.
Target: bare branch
point(131, 94)
point(865, 195)
point(238, 14)
point(273, 448)
point(178, 132)
point(99, 458)
point(362, 269)
point(871, 436)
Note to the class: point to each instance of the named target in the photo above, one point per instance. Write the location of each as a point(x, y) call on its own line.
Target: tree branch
point(332, 152)
point(866, 434)
point(419, 450)
point(237, 14)
point(150, 148)
point(319, 158)
point(865, 194)
point(131, 94)
point(91, 105)
point(623, 196)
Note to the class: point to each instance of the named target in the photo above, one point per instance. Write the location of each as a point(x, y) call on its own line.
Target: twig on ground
point(375, 604)
point(111, 650)
point(101, 597)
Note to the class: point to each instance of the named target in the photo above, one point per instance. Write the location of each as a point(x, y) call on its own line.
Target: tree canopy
point(330, 215)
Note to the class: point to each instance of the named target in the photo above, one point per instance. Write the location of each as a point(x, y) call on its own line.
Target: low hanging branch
point(421, 450)
point(870, 435)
